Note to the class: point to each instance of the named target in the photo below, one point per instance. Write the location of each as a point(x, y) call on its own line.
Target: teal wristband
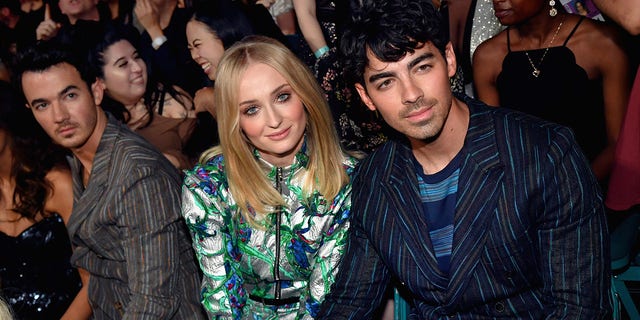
point(320, 52)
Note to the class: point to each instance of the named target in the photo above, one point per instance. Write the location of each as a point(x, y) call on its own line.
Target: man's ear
point(97, 89)
point(365, 97)
point(450, 56)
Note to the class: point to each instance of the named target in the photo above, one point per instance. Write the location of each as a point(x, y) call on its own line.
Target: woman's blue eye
point(251, 110)
point(283, 97)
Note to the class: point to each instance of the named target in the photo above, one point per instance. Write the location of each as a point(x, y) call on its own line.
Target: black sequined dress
point(36, 277)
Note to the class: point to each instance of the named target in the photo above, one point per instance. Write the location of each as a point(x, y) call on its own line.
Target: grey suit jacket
point(127, 231)
point(530, 237)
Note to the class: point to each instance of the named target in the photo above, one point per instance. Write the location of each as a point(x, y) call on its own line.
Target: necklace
point(536, 69)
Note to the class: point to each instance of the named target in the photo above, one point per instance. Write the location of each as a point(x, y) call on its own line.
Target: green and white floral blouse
point(240, 262)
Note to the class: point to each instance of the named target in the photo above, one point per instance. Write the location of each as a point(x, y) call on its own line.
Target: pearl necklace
point(536, 69)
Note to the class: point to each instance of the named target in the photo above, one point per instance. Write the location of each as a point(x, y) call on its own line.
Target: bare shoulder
point(488, 58)
point(596, 45)
point(596, 32)
point(60, 199)
point(492, 50)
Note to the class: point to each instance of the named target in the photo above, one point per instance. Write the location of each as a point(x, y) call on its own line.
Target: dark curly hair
point(390, 29)
point(34, 155)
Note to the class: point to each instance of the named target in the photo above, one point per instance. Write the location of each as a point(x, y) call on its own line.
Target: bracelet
point(158, 41)
point(320, 52)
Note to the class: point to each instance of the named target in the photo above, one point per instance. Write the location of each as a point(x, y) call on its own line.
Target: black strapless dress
point(36, 277)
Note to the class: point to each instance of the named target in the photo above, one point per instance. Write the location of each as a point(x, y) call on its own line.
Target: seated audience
point(476, 212)
point(268, 209)
point(125, 227)
point(36, 199)
point(161, 113)
point(561, 67)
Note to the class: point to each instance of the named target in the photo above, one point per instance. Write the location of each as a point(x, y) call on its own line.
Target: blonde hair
point(5, 310)
point(248, 183)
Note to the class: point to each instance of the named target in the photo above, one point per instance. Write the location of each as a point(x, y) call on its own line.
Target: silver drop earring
point(552, 12)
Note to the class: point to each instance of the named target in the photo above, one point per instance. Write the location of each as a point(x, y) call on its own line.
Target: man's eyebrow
point(67, 89)
point(420, 58)
point(378, 76)
point(413, 63)
point(62, 93)
point(37, 101)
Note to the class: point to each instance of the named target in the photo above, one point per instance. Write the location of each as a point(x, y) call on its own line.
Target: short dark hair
point(390, 29)
point(43, 55)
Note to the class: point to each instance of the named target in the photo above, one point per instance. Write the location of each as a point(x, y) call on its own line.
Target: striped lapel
point(401, 188)
point(478, 194)
point(85, 200)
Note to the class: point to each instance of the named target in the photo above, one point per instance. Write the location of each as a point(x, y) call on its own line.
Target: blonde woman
point(269, 208)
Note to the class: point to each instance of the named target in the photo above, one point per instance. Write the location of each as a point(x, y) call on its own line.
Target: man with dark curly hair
point(474, 212)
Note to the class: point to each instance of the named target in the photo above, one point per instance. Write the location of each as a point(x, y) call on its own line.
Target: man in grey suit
point(477, 212)
point(125, 226)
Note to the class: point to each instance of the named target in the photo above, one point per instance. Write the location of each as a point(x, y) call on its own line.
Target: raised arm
point(309, 25)
point(626, 13)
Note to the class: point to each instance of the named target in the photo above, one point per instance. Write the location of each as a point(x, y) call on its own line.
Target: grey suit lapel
point(86, 199)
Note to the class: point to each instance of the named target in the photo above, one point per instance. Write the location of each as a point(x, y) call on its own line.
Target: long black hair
point(34, 154)
point(95, 38)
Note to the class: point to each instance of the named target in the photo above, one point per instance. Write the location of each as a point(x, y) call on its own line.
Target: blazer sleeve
point(222, 292)
point(151, 227)
point(362, 277)
point(572, 234)
point(329, 254)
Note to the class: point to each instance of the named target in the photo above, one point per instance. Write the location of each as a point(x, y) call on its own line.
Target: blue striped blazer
point(530, 235)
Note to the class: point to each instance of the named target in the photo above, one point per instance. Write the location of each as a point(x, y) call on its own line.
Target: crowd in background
point(187, 76)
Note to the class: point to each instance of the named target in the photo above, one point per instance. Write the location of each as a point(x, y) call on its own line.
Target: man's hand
point(149, 17)
point(48, 28)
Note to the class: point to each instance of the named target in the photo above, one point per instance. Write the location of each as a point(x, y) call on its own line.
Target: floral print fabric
point(239, 260)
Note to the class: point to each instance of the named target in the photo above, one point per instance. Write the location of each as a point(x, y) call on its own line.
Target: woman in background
point(269, 208)
point(36, 197)
point(161, 113)
point(214, 27)
point(321, 23)
point(561, 67)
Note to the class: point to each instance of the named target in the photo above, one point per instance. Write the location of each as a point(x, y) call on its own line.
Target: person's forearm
point(309, 25)
point(626, 13)
point(80, 308)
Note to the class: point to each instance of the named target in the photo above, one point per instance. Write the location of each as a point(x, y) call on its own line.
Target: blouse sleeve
point(330, 253)
point(204, 211)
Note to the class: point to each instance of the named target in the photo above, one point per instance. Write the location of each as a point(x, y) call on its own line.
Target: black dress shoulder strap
point(508, 39)
point(573, 31)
